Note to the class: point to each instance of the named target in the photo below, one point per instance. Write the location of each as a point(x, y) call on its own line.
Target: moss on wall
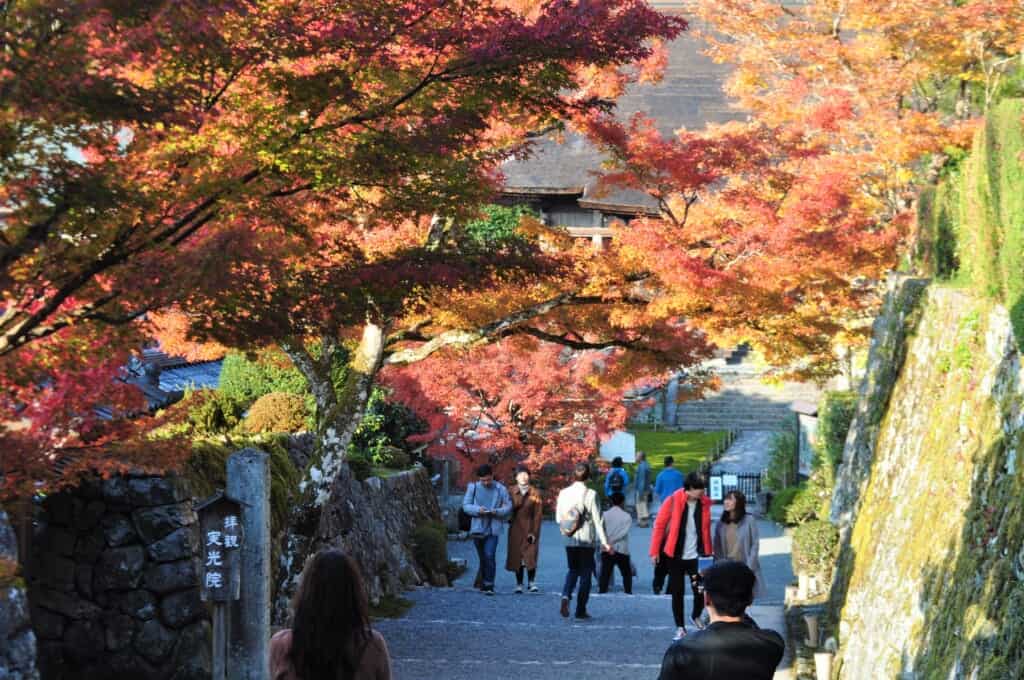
point(933, 591)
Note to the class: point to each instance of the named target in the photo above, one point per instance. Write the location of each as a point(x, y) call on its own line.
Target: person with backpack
point(488, 504)
point(579, 521)
point(617, 479)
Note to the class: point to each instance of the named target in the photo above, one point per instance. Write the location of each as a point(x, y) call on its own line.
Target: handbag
point(465, 519)
point(577, 517)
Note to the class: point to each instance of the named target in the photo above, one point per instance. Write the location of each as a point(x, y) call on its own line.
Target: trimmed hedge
point(277, 412)
point(780, 503)
point(430, 546)
point(815, 548)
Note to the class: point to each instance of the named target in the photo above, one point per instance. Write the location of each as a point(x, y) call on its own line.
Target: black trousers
point(660, 572)
point(608, 562)
point(679, 572)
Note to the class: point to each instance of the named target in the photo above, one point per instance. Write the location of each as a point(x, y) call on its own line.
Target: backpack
point(616, 481)
point(576, 518)
point(465, 519)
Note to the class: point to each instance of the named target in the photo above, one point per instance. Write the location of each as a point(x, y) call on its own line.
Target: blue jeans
point(486, 548)
point(581, 568)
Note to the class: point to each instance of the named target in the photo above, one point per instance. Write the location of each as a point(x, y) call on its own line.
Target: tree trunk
point(340, 410)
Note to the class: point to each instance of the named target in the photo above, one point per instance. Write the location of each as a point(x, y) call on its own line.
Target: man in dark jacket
point(732, 646)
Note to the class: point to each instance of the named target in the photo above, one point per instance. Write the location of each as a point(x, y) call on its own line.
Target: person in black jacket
point(732, 646)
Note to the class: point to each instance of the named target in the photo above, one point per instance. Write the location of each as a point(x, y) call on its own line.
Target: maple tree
point(152, 149)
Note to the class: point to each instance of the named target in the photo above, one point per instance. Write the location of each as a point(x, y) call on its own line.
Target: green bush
point(498, 225)
point(277, 412)
point(430, 546)
point(211, 412)
point(360, 465)
point(804, 506)
point(780, 503)
point(835, 414)
point(815, 548)
point(271, 371)
point(782, 461)
point(382, 436)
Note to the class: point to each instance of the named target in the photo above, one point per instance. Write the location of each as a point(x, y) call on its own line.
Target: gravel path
point(460, 634)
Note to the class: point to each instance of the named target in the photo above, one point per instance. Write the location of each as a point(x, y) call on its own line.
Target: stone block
point(192, 660)
point(152, 524)
point(171, 576)
point(120, 631)
point(90, 515)
point(83, 581)
point(115, 490)
point(8, 539)
point(84, 640)
point(13, 612)
point(71, 606)
point(55, 571)
point(47, 625)
point(120, 568)
point(154, 640)
point(181, 608)
point(91, 488)
point(20, 652)
point(180, 544)
point(138, 603)
point(59, 541)
point(89, 546)
point(118, 530)
point(61, 509)
point(128, 665)
point(150, 491)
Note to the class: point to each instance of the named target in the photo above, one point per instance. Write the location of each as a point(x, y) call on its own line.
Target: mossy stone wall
point(933, 564)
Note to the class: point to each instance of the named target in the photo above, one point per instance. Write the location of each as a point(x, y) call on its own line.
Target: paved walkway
point(748, 454)
point(461, 634)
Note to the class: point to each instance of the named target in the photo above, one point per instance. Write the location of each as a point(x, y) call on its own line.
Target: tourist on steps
point(643, 490)
point(681, 535)
point(667, 483)
point(330, 635)
point(579, 521)
point(524, 531)
point(617, 523)
point(737, 538)
point(732, 646)
point(488, 503)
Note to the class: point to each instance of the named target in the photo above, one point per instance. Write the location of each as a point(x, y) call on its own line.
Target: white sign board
point(731, 481)
point(716, 488)
point(621, 444)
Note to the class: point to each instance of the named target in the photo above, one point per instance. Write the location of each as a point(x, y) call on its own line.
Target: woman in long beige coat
point(524, 530)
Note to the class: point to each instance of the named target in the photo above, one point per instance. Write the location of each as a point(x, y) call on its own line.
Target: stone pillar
point(17, 641)
point(249, 637)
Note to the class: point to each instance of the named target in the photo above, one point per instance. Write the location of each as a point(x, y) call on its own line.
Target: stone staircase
point(745, 402)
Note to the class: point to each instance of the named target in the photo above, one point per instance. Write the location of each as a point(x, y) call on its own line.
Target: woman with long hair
point(737, 538)
point(330, 637)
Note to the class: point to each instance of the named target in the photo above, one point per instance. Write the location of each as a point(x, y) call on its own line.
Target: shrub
point(780, 503)
point(430, 546)
point(834, 418)
point(213, 412)
point(360, 465)
point(247, 380)
point(392, 457)
point(813, 500)
point(381, 437)
point(815, 547)
point(498, 225)
point(782, 461)
point(277, 412)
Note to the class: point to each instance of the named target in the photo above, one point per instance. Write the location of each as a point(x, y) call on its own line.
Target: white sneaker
point(680, 634)
point(519, 590)
point(533, 588)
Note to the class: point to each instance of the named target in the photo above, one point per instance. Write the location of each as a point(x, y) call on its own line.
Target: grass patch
point(688, 449)
point(390, 607)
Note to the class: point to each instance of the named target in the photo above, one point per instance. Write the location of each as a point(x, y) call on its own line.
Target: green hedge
point(271, 371)
point(971, 226)
point(835, 414)
point(782, 460)
point(780, 503)
point(815, 547)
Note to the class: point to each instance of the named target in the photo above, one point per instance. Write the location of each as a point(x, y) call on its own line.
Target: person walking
point(617, 478)
point(737, 538)
point(580, 523)
point(732, 646)
point(331, 636)
point(681, 535)
point(643, 490)
point(617, 523)
point(667, 483)
point(488, 503)
point(524, 531)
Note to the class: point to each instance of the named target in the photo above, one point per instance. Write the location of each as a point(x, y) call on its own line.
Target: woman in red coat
point(682, 534)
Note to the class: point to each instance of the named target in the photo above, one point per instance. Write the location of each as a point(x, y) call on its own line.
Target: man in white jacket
point(579, 519)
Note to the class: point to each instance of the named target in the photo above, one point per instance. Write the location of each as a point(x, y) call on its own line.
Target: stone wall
point(113, 582)
point(373, 520)
point(17, 641)
point(931, 573)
